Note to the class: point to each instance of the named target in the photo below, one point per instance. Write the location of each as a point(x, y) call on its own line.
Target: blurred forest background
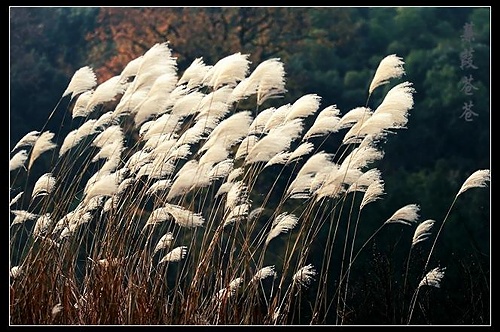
point(329, 51)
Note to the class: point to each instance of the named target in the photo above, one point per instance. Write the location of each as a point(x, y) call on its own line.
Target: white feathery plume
point(433, 278)
point(389, 67)
point(22, 216)
point(227, 71)
point(392, 113)
point(300, 151)
point(265, 272)
point(42, 224)
point(235, 173)
point(255, 213)
point(223, 189)
point(194, 74)
point(106, 120)
point(237, 213)
point(422, 231)
point(477, 179)
point(104, 185)
point(158, 216)
point(215, 100)
point(164, 242)
point(258, 124)
point(406, 215)
point(245, 146)
point(326, 122)
point(109, 135)
point(334, 182)
point(282, 224)
point(304, 276)
point(166, 124)
point(42, 144)
point(277, 140)
point(300, 188)
point(156, 100)
point(105, 92)
point(137, 160)
point(216, 153)
point(229, 131)
point(131, 69)
point(301, 185)
point(175, 255)
point(159, 185)
point(15, 271)
point(114, 148)
point(83, 79)
point(280, 158)
point(27, 140)
point(44, 185)
point(188, 103)
point(360, 157)
point(237, 194)
point(277, 118)
point(220, 170)
point(194, 133)
point(190, 176)
point(124, 184)
point(184, 217)
point(16, 198)
point(18, 160)
point(358, 114)
point(374, 192)
point(303, 107)
point(365, 180)
point(267, 81)
point(80, 108)
point(156, 139)
point(56, 309)
point(75, 136)
point(230, 290)
point(111, 202)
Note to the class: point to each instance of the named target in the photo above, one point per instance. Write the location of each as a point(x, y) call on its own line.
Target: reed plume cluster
point(183, 199)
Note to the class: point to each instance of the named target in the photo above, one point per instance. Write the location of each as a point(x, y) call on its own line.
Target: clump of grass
point(198, 199)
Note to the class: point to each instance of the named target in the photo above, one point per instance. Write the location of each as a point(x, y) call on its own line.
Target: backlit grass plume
point(197, 197)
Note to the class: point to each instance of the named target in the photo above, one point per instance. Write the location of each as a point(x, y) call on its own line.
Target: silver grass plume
point(303, 107)
point(131, 69)
point(176, 255)
point(302, 150)
point(374, 192)
point(265, 272)
point(229, 131)
point(326, 122)
point(406, 215)
point(80, 108)
point(44, 185)
point(267, 80)
point(77, 135)
point(477, 179)
point(389, 67)
point(27, 140)
point(184, 217)
point(230, 290)
point(164, 242)
point(15, 272)
point(227, 71)
point(277, 117)
point(105, 92)
point(282, 224)
point(258, 124)
point(83, 79)
point(277, 140)
point(304, 276)
point(18, 160)
point(422, 231)
point(365, 180)
point(433, 278)
point(16, 198)
point(42, 224)
point(194, 74)
point(156, 100)
point(238, 213)
point(21, 216)
point(43, 143)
